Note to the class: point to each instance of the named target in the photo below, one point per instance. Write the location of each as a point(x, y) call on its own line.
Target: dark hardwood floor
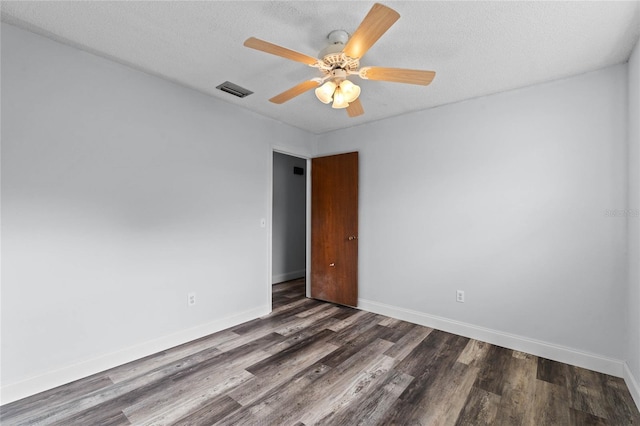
point(312, 362)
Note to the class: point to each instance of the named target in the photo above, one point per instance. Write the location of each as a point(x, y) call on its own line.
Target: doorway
point(289, 219)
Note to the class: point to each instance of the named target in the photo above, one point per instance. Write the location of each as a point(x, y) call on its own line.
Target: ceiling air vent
point(234, 89)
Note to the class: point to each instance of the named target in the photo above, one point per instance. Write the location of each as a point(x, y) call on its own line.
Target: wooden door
point(334, 228)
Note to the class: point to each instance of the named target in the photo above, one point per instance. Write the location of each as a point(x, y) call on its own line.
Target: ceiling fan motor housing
point(332, 55)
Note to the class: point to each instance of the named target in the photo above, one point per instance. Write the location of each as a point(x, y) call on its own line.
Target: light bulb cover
point(339, 100)
point(324, 93)
point(351, 91)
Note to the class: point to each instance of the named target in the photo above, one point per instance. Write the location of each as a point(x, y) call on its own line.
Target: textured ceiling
point(476, 48)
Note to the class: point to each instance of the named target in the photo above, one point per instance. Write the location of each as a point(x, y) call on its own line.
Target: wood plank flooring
point(312, 362)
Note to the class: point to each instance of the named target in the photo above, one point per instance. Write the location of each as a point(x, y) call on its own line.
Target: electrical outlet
point(460, 296)
point(191, 299)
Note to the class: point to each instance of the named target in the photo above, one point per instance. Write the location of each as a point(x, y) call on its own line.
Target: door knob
point(332, 264)
point(352, 237)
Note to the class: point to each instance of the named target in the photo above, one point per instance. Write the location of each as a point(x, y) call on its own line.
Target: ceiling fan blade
point(379, 19)
point(355, 108)
point(274, 49)
point(294, 91)
point(398, 75)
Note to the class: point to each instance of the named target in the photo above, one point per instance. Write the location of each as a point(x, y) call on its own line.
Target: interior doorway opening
point(289, 219)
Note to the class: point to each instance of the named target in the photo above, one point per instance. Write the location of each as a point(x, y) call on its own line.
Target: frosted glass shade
point(325, 92)
point(339, 100)
point(350, 90)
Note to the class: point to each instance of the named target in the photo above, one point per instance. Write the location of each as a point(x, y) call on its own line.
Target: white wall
point(289, 218)
point(121, 193)
point(633, 221)
point(504, 197)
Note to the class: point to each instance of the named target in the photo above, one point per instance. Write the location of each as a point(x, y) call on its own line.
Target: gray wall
point(289, 218)
point(504, 197)
point(633, 222)
point(121, 193)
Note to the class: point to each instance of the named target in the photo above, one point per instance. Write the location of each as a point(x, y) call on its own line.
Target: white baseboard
point(551, 351)
point(275, 279)
point(33, 385)
point(632, 384)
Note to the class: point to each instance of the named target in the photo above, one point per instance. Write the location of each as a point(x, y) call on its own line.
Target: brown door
point(334, 228)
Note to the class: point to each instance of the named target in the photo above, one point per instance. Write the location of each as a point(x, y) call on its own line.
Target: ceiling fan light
point(351, 91)
point(324, 93)
point(339, 100)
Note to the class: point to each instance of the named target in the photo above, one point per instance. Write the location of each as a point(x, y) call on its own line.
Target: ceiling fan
point(341, 59)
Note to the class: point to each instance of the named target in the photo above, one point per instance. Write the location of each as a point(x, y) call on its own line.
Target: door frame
point(305, 156)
